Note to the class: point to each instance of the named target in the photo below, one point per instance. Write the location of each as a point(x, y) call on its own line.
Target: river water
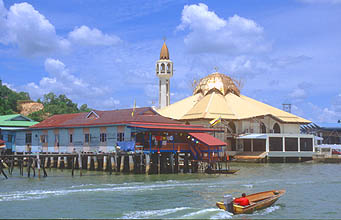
point(313, 192)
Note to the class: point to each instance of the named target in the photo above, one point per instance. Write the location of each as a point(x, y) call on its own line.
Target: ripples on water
point(185, 196)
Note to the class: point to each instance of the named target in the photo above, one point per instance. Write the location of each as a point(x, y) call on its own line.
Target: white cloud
point(298, 93)
point(62, 81)
point(31, 31)
point(110, 103)
point(211, 34)
point(92, 37)
point(25, 27)
point(321, 1)
point(10, 86)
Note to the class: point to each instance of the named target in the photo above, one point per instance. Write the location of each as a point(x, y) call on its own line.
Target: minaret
point(164, 70)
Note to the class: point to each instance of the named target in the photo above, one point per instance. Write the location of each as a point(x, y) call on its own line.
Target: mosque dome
point(164, 54)
point(216, 81)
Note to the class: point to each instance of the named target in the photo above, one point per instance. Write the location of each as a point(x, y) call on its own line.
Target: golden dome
point(164, 54)
point(216, 81)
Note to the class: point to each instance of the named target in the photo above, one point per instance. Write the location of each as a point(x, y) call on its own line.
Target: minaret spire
point(164, 70)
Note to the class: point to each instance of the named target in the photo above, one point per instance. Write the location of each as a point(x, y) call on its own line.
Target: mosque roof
point(217, 96)
point(164, 54)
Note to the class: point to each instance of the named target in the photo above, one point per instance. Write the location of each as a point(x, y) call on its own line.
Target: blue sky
point(103, 52)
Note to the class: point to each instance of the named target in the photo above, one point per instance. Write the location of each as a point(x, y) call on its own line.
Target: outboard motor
point(228, 202)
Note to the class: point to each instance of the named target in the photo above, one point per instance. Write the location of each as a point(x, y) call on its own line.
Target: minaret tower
point(164, 70)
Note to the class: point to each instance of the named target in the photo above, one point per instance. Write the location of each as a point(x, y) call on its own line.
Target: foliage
point(9, 99)
point(53, 104)
point(57, 105)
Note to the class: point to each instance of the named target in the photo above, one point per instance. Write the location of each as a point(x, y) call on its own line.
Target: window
point(276, 128)
point(103, 137)
point(56, 139)
point(120, 136)
point(1, 137)
point(43, 139)
point(86, 138)
point(28, 138)
point(10, 138)
point(70, 138)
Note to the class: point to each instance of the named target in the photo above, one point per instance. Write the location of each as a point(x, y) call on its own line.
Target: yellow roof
point(230, 107)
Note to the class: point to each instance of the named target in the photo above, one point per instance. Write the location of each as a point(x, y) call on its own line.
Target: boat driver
point(243, 201)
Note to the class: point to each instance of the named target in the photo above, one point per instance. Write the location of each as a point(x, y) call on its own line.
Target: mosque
point(252, 129)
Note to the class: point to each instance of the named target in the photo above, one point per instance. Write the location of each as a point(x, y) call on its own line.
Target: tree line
point(53, 104)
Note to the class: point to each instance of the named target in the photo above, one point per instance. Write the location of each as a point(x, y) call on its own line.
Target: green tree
point(9, 99)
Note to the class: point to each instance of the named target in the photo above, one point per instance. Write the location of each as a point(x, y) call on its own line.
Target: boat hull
point(257, 201)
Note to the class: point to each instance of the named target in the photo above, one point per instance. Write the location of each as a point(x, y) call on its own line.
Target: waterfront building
point(252, 129)
point(140, 129)
point(9, 124)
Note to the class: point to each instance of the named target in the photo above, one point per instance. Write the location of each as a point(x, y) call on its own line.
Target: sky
point(103, 53)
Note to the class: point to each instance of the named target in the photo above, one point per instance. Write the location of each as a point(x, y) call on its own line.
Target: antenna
point(287, 107)
point(216, 68)
point(164, 38)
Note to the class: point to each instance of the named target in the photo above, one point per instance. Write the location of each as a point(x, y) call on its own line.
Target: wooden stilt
point(147, 163)
point(89, 162)
point(95, 162)
point(110, 164)
point(38, 165)
point(113, 162)
point(122, 164)
point(2, 171)
point(45, 159)
point(80, 164)
point(131, 163)
point(58, 162)
point(104, 163)
point(51, 162)
point(65, 162)
point(73, 164)
point(159, 163)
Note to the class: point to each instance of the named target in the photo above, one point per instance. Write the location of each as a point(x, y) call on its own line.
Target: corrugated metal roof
point(146, 114)
point(16, 120)
point(208, 139)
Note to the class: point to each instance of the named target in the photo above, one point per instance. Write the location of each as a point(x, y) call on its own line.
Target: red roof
point(121, 116)
point(171, 127)
point(208, 139)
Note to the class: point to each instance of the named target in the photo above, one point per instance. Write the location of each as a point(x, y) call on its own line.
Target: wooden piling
point(95, 162)
point(58, 162)
point(51, 162)
point(65, 162)
point(89, 162)
point(2, 171)
point(73, 161)
point(104, 163)
point(122, 164)
point(38, 165)
point(110, 164)
point(113, 162)
point(80, 164)
point(131, 163)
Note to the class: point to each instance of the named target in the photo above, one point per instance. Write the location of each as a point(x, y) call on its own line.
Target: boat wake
point(152, 213)
point(88, 188)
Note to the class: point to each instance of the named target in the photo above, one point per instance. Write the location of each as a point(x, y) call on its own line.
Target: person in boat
point(243, 201)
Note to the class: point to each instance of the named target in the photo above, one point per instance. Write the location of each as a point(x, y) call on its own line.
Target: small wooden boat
point(258, 201)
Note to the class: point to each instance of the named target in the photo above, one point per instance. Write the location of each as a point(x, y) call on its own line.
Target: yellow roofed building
point(249, 125)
